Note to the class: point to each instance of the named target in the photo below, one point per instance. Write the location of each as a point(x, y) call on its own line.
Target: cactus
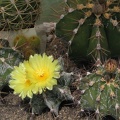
point(91, 28)
point(39, 79)
point(8, 59)
point(34, 42)
point(20, 41)
point(52, 99)
point(27, 45)
point(100, 90)
point(18, 14)
point(51, 10)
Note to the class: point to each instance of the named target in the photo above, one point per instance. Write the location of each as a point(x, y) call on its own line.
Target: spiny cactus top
point(92, 28)
point(18, 14)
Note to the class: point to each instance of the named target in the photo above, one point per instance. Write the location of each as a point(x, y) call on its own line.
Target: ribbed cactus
point(91, 28)
point(18, 14)
point(8, 59)
point(101, 91)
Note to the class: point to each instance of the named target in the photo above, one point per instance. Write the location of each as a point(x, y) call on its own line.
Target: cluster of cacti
point(27, 45)
point(18, 14)
point(8, 59)
point(101, 90)
point(91, 28)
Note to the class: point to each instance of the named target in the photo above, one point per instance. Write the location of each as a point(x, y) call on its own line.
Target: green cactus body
point(18, 14)
point(27, 45)
point(98, 41)
point(91, 28)
point(51, 10)
point(100, 92)
point(34, 42)
point(53, 98)
point(20, 41)
point(8, 59)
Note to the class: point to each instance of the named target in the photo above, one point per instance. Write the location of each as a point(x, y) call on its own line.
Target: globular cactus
point(91, 28)
point(101, 91)
point(8, 59)
point(53, 99)
point(27, 45)
point(18, 14)
point(34, 42)
point(20, 41)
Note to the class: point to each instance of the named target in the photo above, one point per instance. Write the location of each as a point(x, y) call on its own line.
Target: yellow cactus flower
point(39, 73)
point(20, 83)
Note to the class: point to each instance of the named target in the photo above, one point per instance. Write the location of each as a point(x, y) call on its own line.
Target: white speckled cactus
point(8, 59)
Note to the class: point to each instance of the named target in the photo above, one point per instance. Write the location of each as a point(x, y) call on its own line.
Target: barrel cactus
point(101, 91)
point(8, 59)
point(18, 14)
point(91, 28)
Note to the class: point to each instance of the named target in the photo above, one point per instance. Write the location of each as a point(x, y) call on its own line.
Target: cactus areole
point(92, 28)
point(18, 14)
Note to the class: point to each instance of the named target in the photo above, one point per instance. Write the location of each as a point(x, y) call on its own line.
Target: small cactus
point(100, 90)
point(34, 42)
point(53, 99)
point(91, 28)
point(27, 45)
point(20, 41)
